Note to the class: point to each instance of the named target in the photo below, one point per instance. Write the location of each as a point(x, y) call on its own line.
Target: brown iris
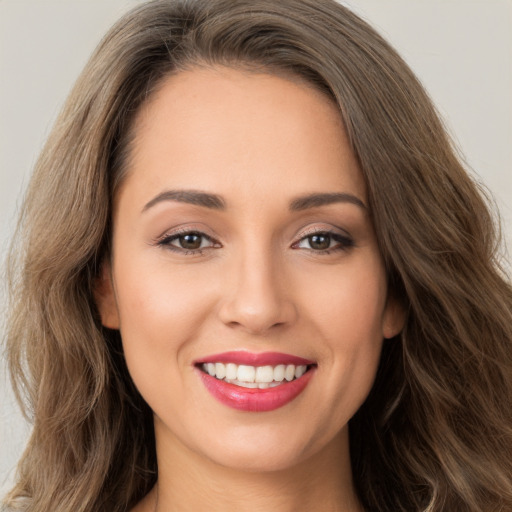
point(319, 241)
point(190, 241)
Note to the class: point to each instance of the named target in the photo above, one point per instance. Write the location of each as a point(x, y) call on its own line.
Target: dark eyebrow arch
point(194, 197)
point(322, 199)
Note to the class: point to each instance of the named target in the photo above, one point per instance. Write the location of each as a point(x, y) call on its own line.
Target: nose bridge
point(256, 297)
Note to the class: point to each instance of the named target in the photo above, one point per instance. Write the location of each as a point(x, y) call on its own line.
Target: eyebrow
point(194, 197)
point(216, 202)
point(323, 199)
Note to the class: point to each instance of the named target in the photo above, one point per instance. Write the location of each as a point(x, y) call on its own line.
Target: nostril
point(257, 307)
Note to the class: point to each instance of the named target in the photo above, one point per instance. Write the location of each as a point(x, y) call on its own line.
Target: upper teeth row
point(260, 374)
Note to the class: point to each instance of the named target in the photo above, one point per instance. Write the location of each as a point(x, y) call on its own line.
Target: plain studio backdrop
point(460, 49)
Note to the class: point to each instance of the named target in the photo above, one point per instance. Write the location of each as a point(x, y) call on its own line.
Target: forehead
point(239, 132)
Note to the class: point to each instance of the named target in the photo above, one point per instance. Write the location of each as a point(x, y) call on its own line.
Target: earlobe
point(393, 319)
point(105, 298)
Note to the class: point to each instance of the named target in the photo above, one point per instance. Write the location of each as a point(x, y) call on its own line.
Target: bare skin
point(273, 270)
point(225, 489)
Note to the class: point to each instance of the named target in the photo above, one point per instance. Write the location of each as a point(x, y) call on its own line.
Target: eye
point(324, 242)
point(187, 242)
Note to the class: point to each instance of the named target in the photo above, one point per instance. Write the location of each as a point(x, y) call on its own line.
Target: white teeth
point(231, 370)
point(279, 373)
point(299, 371)
point(220, 370)
point(264, 374)
point(255, 376)
point(246, 373)
point(247, 384)
point(289, 373)
point(242, 384)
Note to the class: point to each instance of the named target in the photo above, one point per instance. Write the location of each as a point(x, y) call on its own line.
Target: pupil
point(320, 242)
point(190, 241)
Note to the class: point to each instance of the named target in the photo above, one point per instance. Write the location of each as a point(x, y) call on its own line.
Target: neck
point(189, 481)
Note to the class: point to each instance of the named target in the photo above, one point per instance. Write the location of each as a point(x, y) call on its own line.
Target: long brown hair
point(435, 433)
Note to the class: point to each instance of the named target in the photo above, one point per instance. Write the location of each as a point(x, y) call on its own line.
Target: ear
point(105, 298)
point(393, 320)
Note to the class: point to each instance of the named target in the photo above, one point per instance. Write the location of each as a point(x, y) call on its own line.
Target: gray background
point(460, 49)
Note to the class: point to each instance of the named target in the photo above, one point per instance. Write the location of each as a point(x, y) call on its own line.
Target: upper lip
point(254, 359)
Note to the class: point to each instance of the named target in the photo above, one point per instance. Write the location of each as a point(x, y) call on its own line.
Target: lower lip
point(255, 400)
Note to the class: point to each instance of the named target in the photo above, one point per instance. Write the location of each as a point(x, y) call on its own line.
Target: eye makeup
point(188, 241)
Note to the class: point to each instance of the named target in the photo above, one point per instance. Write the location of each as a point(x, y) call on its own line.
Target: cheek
point(157, 295)
point(161, 310)
point(346, 322)
point(348, 301)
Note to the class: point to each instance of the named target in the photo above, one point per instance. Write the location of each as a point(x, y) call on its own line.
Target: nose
point(256, 296)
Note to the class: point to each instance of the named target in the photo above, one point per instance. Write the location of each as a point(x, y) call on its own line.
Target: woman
point(252, 273)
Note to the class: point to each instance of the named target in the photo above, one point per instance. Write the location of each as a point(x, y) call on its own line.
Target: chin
point(258, 462)
point(263, 450)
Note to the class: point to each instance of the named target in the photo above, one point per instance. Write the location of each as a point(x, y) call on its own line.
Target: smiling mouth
point(255, 377)
point(255, 382)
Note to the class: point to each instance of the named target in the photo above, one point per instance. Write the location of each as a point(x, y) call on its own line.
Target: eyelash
point(345, 242)
point(166, 242)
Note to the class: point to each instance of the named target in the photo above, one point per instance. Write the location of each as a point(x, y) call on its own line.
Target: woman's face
point(242, 237)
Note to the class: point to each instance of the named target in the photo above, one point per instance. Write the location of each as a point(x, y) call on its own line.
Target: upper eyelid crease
point(345, 238)
point(166, 239)
point(177, 234)
point(329, 231)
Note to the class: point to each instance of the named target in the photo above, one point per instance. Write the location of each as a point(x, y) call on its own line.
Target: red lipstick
point(255, 359)
point(255, 399)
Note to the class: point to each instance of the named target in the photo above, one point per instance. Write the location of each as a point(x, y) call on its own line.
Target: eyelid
point(341, 235)
point(344, 239)
point(165, 241)
point(183, 230)
point(323, 229)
